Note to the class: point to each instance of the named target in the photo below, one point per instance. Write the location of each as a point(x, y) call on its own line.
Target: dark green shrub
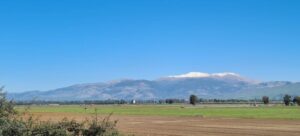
point(169, 101)
point(297, 100)
point(193, 99)
point(287, 99)
point(265, 99)
point(11, 127)
point(101, 128)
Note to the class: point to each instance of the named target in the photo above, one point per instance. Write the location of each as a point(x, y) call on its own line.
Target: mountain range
point(204, 85)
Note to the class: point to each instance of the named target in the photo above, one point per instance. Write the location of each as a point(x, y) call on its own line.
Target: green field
point(274, 112)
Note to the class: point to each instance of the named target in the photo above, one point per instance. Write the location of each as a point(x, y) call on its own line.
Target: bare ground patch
point(192, 126)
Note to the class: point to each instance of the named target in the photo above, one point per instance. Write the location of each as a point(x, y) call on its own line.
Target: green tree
point(297, 100)
point(287, 99)
point(9, 125)
point(265, 99)
point(193, 99)
point(6, 107)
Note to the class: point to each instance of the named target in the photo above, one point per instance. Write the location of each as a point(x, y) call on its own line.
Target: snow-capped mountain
point(225, 85)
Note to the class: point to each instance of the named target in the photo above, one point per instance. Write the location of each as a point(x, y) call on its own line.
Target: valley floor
point(142, 125)
point(185, 120)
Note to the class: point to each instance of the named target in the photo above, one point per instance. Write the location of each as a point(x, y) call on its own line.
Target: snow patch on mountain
point(204, 75)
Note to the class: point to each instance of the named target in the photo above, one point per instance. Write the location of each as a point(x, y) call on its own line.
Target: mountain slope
point(276, 91)
point(219, 85)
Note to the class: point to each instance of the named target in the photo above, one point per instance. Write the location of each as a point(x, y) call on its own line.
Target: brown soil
point(193, 126)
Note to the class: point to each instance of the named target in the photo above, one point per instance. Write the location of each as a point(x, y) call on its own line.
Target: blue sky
point(49, 44)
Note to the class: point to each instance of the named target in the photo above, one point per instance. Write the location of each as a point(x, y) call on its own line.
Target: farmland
point(184, 120)
point(229, 111)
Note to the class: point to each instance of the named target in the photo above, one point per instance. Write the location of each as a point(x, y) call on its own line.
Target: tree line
point(193, 99)
point(287, 100)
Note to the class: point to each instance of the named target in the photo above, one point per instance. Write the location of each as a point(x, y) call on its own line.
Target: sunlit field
point(238, 111)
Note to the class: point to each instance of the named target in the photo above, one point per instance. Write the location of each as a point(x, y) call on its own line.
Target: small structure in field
point(53, 104)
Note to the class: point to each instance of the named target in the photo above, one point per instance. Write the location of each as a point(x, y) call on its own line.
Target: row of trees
point(161, 101)
point(287, 99)
point(193, 99)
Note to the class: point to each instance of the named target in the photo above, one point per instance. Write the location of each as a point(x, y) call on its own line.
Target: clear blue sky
point(49, 44)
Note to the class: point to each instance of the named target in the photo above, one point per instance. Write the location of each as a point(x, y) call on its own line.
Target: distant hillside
point(274, 92)
point(220, 85)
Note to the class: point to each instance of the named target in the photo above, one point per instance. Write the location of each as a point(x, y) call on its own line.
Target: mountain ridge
point(217, 85)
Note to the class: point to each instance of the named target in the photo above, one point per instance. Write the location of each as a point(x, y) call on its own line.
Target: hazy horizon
point(188, 75)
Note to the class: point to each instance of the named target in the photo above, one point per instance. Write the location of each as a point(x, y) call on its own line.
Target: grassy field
point(274, 112)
